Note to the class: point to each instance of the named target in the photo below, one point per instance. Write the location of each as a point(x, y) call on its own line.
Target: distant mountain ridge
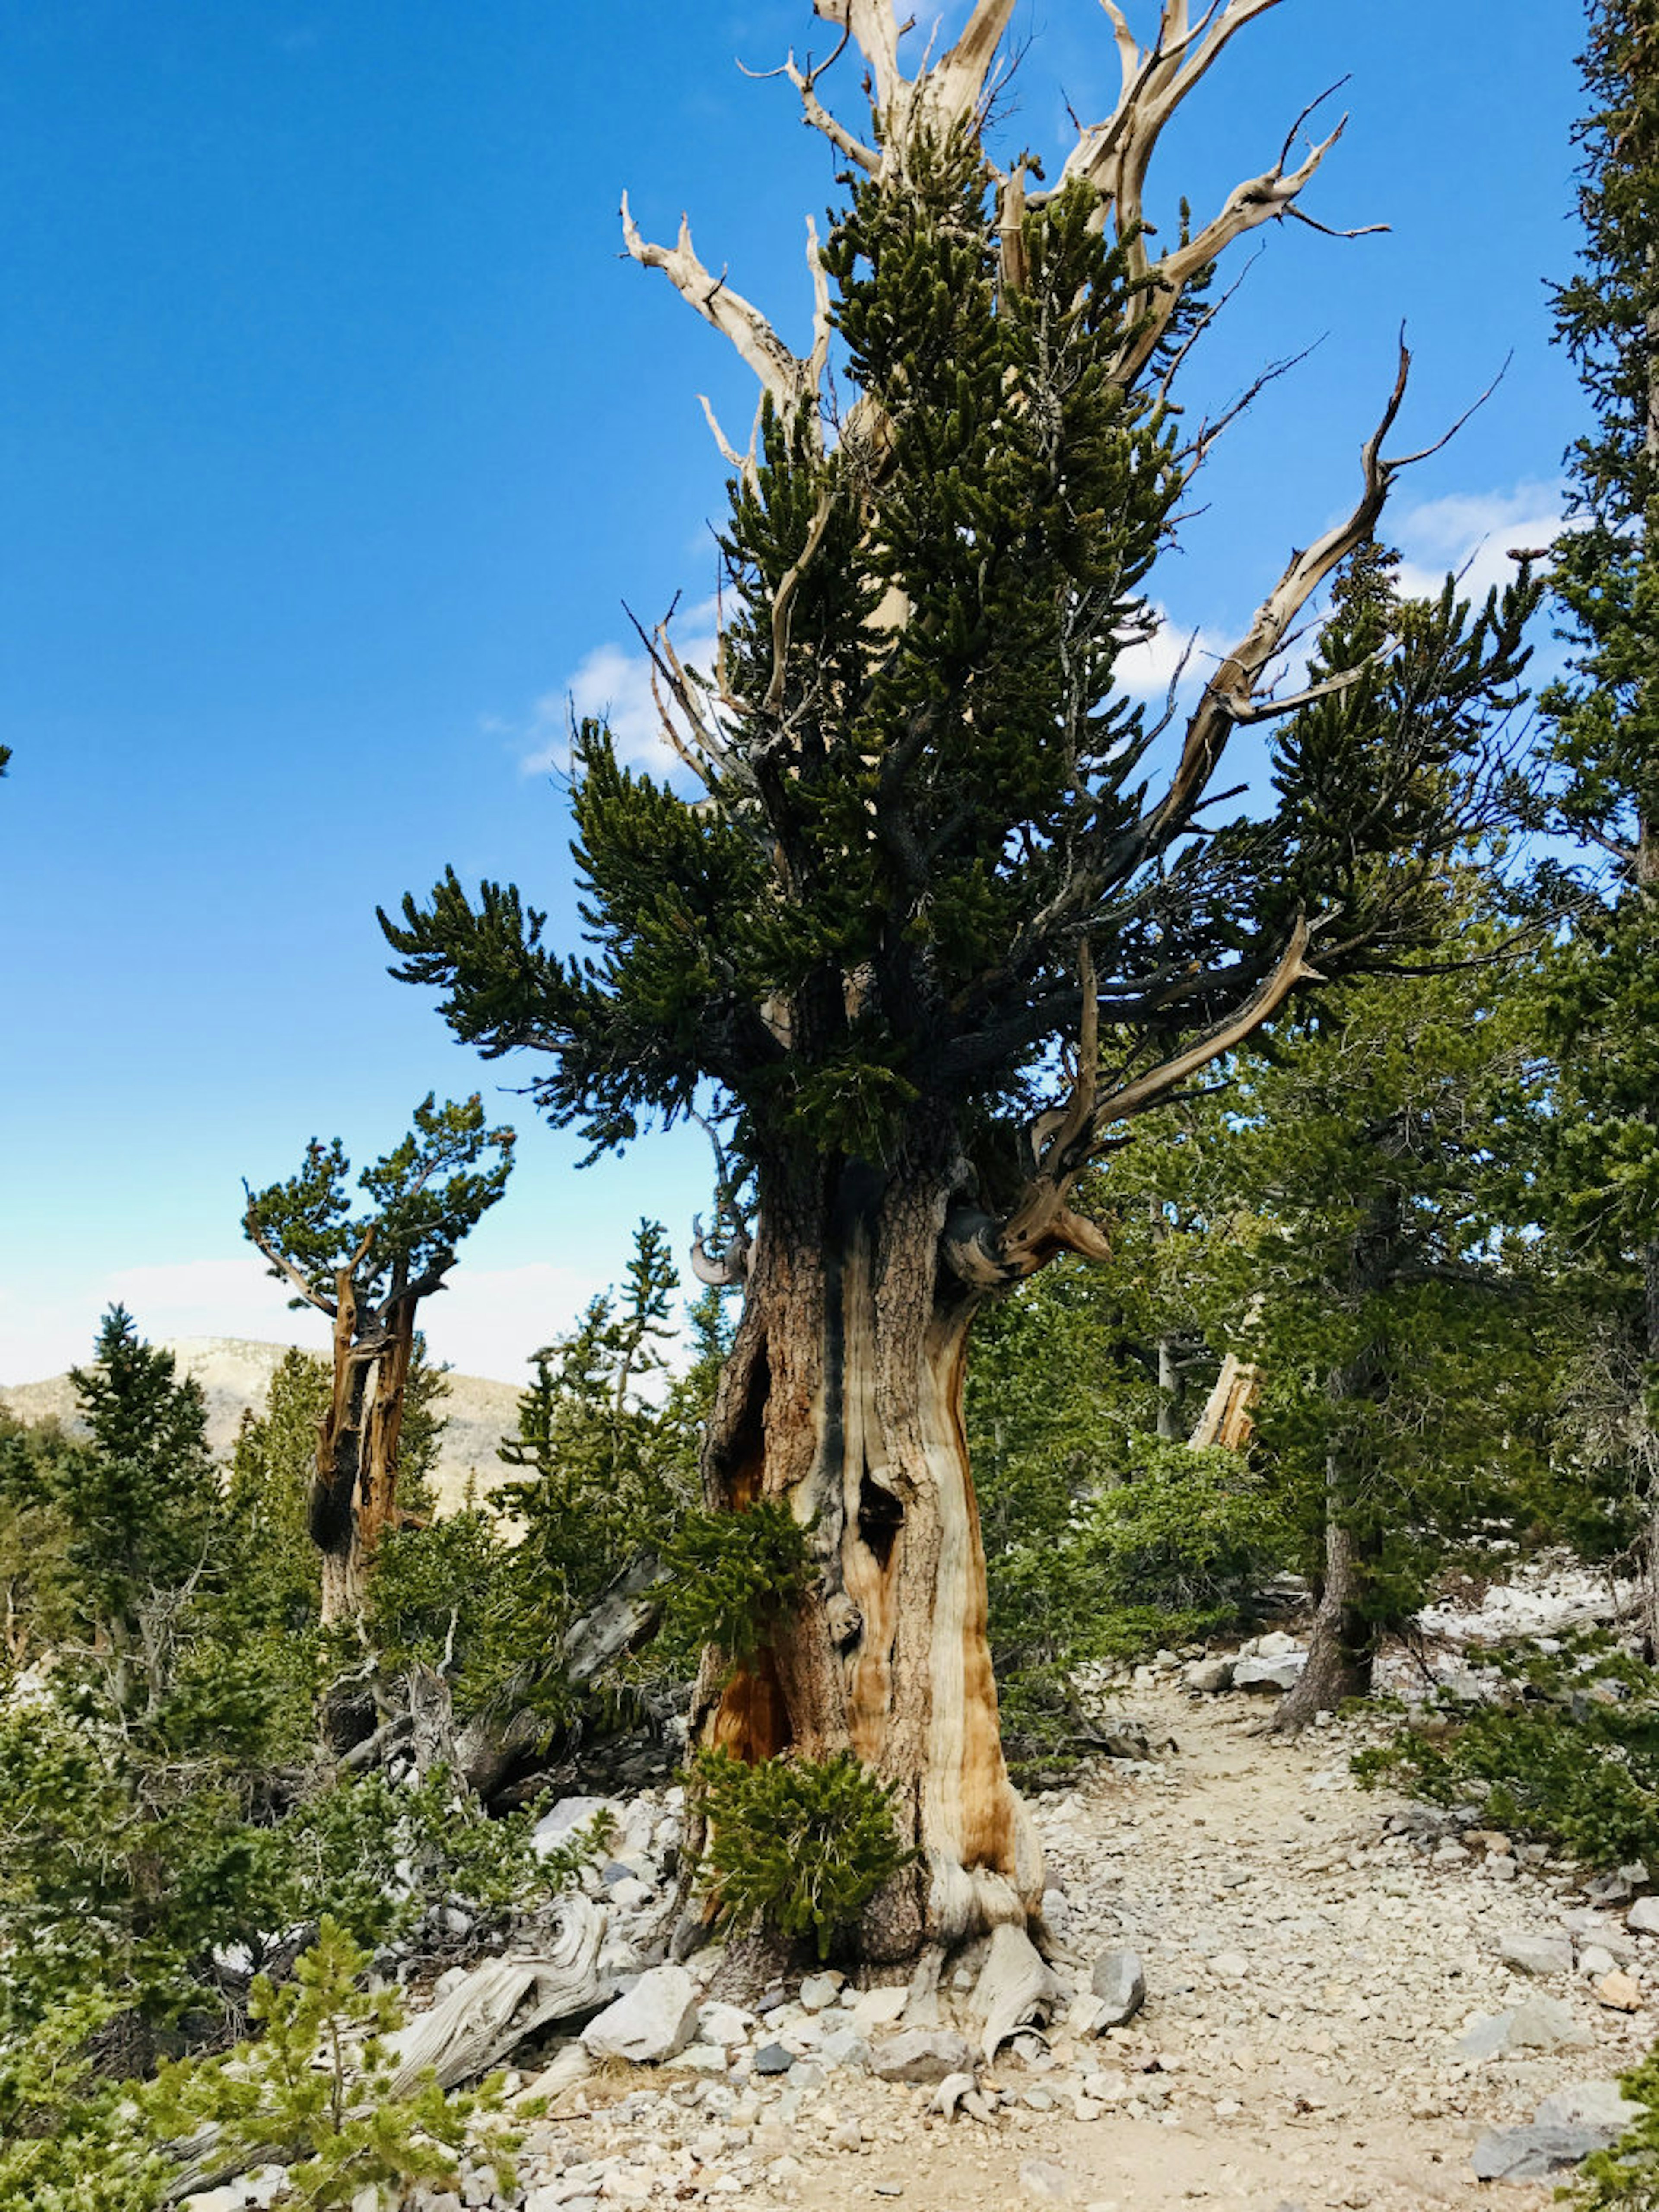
point(234, 1373)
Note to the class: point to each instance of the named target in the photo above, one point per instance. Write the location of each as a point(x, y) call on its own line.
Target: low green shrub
point(313, 2091)
point(730, 1575)
point(1569, 1752)
point(799, 1846)
point(1627, 2176)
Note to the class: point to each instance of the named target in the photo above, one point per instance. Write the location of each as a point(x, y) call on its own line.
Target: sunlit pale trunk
point(843, 1395)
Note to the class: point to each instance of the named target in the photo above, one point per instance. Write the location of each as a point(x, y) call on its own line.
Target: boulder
point(705, 2058)
point(845, 2046)
point(1280, 1671)
point(654, 2021)
point(921, 2054)
point(1536, 1954)
point(772, 2059)
point(1601, 2103)
point(1643, 1918)
point(1119, 1981)
point(555, 1827)
point(1541, 2024)
point(728, 2025)
point(874, 2008)
point(1209, 1675)
point(1533, 2154)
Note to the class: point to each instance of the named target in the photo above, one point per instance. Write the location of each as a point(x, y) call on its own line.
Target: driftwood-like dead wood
point(1015, 1988)
point(485, 2019)
point(1229, 1415)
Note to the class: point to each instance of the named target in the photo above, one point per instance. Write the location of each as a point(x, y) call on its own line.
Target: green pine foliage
point(905, 831)
point(1104, 1540)
point(1569, 1752)
point(311, 2090)
point(1604, 979)
point(37, 1583)
point(606, 1457)
point(140, 1505)
point(731, 1575)
point(338, 2122)
point(797, 1846)
point(383, 1856)
point(272, 1468)
point(419, 1201)
point(1391, 1271)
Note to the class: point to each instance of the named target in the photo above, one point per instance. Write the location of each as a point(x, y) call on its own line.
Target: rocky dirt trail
point(1350, 2001)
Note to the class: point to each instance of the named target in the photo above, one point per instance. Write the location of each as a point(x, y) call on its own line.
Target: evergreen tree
point(927, 864)
point(277, 1570)
point(1605, 983)
point(607, 1456)
point(139, 1503)
point(1390, 1283)
point(367, 1272)
point(36, 1600)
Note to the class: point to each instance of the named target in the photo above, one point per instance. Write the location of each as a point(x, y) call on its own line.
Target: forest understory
point(1351, 1997)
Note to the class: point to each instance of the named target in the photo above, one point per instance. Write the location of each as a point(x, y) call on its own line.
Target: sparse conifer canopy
point(367, 1272)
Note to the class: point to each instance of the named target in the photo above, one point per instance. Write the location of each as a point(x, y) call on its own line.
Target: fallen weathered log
point(624, 1616)
point(502, 2002)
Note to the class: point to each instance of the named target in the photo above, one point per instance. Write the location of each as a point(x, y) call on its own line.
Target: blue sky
point(334, 431)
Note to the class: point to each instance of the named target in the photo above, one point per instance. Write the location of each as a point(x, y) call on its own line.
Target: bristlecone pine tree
point(926, 937)
point(1606, 980)
point(368, 1272)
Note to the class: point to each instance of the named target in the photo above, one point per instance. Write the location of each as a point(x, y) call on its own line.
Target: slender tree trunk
point(1171, 1392)
point(1342, 1649)
point(842, 1394)
point(354, 1496)
point(1347, 1634)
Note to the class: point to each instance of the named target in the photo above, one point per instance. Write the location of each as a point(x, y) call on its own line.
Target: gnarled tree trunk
point(353, 1497)
point(843, 1396)
point(1347, 1632)
point(1343, 1647)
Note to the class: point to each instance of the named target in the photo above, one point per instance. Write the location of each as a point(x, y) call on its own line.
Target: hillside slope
point(235, 1374)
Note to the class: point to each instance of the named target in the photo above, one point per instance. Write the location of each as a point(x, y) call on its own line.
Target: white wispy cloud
point(1471, 535)
point(1148, 668)
point(612, 684)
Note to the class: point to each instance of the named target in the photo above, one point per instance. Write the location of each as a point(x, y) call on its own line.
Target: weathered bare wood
point(1015, 1988)
point(485, 2019)
point(622, 1619)
point(1228, 1419)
